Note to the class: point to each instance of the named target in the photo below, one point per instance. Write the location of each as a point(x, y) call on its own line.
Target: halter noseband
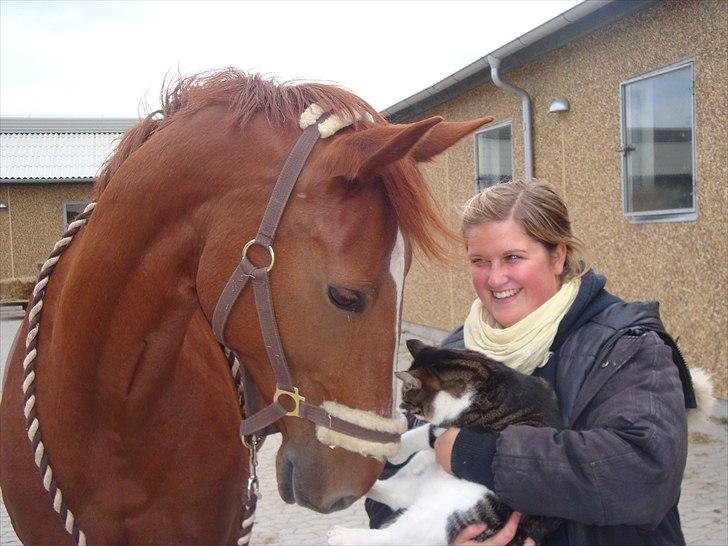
point(378, 435)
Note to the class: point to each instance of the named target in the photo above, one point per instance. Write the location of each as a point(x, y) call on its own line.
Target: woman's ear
point(558, 259)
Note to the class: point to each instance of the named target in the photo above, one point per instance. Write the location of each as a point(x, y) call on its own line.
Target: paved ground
point(703, 505)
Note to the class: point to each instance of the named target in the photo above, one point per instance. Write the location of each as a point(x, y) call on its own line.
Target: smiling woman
point(622, 384)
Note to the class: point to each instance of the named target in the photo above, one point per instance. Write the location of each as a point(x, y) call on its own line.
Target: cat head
point(441, 383)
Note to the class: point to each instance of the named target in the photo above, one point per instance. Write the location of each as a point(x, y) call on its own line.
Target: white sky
point(108, 59)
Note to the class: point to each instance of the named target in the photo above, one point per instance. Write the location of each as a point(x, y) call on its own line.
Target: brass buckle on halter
point(297, 399)
point(268, 247)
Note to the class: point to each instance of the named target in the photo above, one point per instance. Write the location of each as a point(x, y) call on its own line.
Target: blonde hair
point(538, 209)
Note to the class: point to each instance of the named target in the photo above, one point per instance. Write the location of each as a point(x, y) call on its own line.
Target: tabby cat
point(454, 388)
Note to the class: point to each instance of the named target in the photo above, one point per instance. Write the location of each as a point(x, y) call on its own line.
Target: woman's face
point(512, 273)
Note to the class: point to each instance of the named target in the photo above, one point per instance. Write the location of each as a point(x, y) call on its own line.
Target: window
point(72, 209)
point(658, 145)
point(493, 155)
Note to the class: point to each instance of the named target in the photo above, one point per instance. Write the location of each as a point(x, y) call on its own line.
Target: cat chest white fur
point(446, 407)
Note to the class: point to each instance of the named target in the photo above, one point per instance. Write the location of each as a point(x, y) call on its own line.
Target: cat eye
point(347, 299)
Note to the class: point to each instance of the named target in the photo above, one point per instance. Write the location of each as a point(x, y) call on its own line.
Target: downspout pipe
point(494, 63)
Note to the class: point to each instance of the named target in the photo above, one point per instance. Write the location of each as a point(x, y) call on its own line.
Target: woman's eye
point(346, 299)
point(512, 258)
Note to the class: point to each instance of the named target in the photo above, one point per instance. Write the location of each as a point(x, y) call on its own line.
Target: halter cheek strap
point(356, 430)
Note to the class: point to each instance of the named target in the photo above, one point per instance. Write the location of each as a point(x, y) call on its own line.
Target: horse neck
point(124, 286)
point(128, 287)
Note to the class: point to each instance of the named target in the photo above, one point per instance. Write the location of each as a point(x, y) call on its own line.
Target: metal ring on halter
point(297, 399)
point(268, 247)
point(255, 443)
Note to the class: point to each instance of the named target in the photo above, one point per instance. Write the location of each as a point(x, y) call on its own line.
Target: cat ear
point(415, 346)
point(409, 380)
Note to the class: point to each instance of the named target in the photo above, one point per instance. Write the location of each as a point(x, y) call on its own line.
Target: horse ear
point(359, 155)
point(444, 135)
point(397, 143)
point(409, 380)
point(414, 346)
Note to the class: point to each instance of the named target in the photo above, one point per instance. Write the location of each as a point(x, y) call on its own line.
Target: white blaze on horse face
point(396, 269)
point(446, 407)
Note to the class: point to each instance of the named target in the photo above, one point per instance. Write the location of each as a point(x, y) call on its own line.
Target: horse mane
point(248, 94)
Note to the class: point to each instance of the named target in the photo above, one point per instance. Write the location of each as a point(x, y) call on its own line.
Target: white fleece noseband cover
point(367, 419)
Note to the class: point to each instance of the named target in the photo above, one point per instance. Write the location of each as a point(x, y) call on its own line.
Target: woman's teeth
point(506, 293)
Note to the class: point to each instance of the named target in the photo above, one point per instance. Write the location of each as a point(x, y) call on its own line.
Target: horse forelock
point(246, 95)
point(418, 217)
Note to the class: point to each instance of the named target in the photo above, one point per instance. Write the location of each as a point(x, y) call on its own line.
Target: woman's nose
point(497, 276)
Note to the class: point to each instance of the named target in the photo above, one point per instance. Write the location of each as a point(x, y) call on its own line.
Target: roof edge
point(66, 180)
point(66, 125)
point(571, 25)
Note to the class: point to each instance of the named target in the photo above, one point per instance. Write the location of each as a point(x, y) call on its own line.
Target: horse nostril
point(340, 504)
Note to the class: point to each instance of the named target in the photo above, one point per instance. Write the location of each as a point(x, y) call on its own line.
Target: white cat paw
point(399, 457)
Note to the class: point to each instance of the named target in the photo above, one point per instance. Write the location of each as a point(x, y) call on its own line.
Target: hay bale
point(16, 289)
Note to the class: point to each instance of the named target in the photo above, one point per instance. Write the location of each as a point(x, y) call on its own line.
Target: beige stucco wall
point(34, 217)
point(681, 264)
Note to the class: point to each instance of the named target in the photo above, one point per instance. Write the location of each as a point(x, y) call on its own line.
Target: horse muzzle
point(322, 478)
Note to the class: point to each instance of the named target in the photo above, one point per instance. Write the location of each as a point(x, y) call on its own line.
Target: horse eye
point(347, 300)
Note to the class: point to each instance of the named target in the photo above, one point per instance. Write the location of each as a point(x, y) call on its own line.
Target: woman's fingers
point(506, 534)
point(471, 531)
point(501, 538)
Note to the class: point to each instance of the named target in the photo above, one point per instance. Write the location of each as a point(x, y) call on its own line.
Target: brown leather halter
point(257, 421)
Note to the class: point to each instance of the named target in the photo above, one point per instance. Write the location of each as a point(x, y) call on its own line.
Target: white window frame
point(667, 215)
point(490, 127)
point(66, 204)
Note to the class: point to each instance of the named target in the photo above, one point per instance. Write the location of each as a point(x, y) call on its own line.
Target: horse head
point(341, 253)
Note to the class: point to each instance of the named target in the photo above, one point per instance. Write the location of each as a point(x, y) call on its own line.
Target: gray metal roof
point(56, 150)
point(66, 125)
point(571, 25)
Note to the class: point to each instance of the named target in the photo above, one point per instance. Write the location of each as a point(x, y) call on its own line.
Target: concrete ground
point(703, 504)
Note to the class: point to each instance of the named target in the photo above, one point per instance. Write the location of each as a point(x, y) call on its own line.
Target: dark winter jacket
point(614, 473)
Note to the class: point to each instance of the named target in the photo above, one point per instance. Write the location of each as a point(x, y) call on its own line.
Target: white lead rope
point(32, 424)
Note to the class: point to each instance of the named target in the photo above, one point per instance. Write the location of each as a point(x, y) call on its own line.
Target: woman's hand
point(443, 448)
point(501, 538)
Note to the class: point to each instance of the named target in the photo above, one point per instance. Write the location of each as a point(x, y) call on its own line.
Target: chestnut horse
point(138, 409)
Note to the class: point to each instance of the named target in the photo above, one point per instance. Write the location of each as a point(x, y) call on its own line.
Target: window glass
point(658, 143)
point(71, 210)
point(494, 155)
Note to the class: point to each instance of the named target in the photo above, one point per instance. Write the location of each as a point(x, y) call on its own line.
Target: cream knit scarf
point(525, 345)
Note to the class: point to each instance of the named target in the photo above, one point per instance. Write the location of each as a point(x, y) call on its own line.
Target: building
point(628, 120)
point(47, 170)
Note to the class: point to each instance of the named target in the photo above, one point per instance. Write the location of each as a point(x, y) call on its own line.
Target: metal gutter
point(580, 20)
point(525, 110)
